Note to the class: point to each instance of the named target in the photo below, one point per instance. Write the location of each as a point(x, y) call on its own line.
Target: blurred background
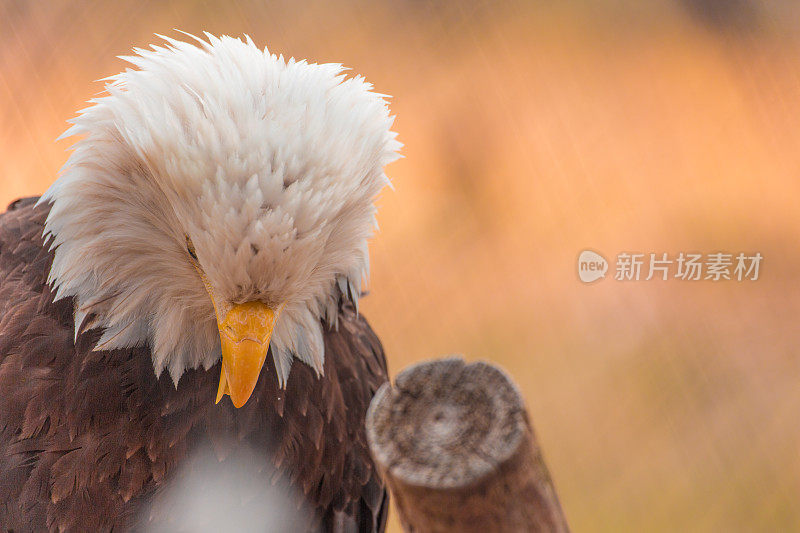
point(534, 130)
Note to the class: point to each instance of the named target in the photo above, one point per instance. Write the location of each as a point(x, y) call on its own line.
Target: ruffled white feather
point(270, 166)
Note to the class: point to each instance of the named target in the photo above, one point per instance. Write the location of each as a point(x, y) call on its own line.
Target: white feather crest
point(270, 166)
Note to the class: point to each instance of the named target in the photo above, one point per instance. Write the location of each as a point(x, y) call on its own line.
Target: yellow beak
point(245, 334)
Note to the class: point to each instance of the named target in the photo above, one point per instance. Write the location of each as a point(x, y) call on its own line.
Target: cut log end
point(454, 444)
point(446, 424)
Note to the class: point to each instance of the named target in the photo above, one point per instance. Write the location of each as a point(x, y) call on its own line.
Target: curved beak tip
point(245, 335)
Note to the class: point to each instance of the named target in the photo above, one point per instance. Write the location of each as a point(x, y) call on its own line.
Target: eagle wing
point(89, 439)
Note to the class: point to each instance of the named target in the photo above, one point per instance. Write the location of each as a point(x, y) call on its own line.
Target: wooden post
point(455, 446)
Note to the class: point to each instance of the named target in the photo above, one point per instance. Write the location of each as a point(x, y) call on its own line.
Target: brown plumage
point(89, 438)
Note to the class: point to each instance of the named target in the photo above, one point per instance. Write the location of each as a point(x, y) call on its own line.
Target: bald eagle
point(191, 280)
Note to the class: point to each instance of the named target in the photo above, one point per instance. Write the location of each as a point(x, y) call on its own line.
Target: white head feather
point(271, 168)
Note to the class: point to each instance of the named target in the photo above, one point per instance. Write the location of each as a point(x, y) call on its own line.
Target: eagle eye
point(190, 248)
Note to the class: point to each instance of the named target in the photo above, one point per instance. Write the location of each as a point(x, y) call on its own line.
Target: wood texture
point(456, 448)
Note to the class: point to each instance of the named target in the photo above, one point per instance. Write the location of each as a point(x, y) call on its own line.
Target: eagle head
point(217, 204)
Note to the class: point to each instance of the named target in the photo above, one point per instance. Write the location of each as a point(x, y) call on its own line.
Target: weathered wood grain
point(455, 445)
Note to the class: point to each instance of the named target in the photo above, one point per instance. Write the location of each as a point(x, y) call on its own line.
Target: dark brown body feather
point(89, 439)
